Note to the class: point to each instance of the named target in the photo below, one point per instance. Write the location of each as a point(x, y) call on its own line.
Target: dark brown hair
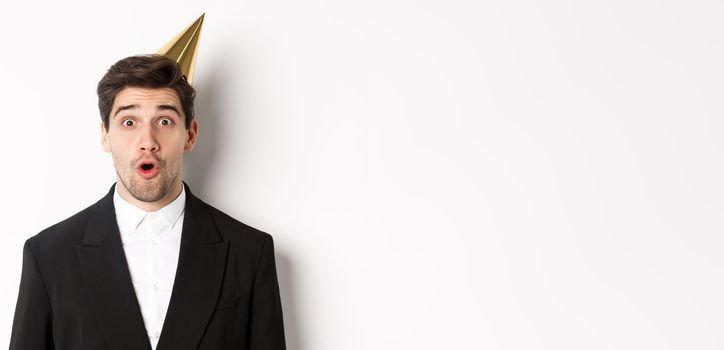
point(147, 71)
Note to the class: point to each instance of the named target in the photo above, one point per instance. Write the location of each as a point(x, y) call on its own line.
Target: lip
point(147, 174)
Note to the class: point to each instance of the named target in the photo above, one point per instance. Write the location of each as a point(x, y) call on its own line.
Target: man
point(149, 266)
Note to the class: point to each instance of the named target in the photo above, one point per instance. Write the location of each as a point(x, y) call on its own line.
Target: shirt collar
point(130, 216)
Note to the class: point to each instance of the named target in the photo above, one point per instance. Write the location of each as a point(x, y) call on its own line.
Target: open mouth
point(147, 169)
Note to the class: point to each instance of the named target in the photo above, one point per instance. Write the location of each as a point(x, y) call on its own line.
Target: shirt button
point(155, 287)
point(157, 334)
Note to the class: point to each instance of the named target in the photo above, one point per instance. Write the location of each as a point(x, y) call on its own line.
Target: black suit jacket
point(76, 291)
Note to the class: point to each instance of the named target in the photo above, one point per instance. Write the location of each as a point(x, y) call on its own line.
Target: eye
point(128, 122)
point(165, 121)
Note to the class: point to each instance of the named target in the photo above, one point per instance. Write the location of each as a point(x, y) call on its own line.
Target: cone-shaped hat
point(184, 47)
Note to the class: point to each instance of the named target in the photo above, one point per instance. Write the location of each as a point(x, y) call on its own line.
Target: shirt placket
point(155, 229)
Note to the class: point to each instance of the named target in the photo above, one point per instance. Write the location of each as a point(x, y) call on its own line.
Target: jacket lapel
point(108, 281)
point(200, 271)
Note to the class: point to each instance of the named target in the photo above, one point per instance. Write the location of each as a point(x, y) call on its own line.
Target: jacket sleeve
point(266, 326)
point(32, 325)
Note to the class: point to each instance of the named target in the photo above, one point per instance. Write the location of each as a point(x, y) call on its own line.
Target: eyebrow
point(164, 107)
point(123, 108)
point(168, 108)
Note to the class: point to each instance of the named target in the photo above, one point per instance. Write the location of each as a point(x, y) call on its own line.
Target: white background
point(436, 174)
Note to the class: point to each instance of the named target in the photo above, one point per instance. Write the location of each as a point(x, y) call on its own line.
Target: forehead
point(145, 97)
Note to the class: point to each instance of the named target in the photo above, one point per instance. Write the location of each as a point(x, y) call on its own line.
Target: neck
point(172, 194)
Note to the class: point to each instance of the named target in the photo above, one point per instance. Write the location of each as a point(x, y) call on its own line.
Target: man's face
point(147, 138)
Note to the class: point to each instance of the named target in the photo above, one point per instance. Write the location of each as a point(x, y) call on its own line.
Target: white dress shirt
point(151, 241)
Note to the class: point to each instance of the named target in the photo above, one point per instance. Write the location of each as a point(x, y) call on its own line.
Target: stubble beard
point(151, 190)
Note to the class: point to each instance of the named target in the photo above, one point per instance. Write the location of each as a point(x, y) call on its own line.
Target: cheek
point(117, 161)
point(119, 141)
point(119, 150)
point(174, 144)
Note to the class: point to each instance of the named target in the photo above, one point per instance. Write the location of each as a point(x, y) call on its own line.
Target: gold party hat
point(184, 47)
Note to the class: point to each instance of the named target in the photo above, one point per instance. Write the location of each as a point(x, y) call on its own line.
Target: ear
point(191, 135)
point(104, 139)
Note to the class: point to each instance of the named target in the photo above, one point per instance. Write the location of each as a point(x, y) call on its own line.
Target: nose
point(148, 143)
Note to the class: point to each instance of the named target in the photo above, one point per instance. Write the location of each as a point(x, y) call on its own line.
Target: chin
point(152, 190)
point(149, 196)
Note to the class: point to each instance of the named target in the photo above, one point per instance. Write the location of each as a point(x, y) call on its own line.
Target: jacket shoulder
point(233, 229)
point(68, 232)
